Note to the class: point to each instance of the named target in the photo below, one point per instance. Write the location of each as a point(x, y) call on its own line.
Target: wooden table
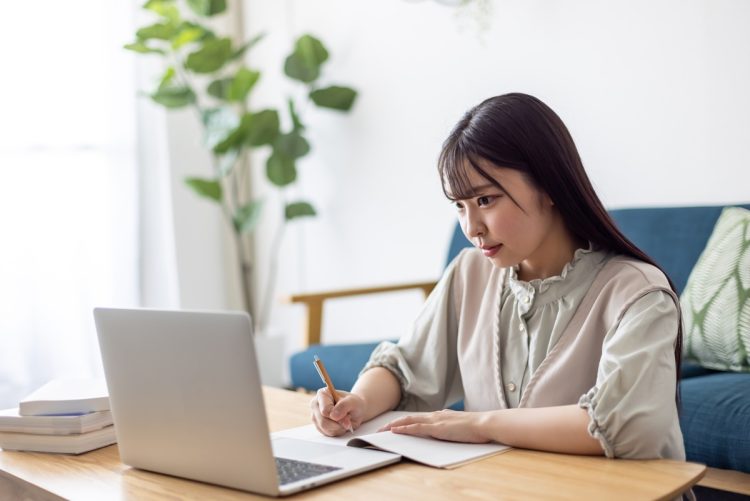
point(516, 474)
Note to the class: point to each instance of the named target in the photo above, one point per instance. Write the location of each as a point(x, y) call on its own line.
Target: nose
point(473, 225)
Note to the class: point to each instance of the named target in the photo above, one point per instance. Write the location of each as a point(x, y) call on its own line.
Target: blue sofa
point(715, 411)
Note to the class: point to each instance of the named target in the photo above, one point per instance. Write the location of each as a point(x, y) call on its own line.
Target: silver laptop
point(186, 400)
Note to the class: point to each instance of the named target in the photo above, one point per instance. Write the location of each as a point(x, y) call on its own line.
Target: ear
point(545, 200)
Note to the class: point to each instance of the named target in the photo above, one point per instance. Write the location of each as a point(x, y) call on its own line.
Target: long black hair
point(520, 132)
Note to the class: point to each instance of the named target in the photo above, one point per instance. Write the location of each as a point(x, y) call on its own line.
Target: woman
point(556, 331)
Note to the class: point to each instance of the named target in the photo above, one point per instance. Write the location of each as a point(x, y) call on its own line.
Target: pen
point(323, 373)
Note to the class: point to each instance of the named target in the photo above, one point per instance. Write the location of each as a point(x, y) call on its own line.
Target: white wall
point(654, 93)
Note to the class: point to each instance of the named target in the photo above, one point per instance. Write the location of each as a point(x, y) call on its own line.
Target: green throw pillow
point(716, 300)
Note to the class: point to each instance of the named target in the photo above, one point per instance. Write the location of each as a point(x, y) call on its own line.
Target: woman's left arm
point(555, 429)
point(630, 412)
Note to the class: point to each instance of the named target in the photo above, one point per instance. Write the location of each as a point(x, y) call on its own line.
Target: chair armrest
point(314, 303)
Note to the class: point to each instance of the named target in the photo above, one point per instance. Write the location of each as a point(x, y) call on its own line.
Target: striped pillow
point(716, 300)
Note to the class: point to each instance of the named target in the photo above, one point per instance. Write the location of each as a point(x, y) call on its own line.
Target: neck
point(551, 256)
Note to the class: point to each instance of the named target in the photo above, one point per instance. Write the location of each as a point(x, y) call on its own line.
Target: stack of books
point(63, 416)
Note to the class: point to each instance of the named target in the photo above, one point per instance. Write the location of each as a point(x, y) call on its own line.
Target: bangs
point(453, 163)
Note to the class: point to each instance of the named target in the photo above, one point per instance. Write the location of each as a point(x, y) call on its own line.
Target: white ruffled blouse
point(451, 354)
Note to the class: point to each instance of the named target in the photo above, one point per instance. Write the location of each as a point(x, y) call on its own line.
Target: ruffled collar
point(544, 290)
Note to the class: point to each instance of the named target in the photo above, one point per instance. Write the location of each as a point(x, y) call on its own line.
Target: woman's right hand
point(334, 420)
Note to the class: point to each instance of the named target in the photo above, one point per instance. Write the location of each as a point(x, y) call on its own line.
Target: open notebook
point(429, 451)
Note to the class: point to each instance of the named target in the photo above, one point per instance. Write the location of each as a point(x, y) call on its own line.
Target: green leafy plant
point(206, 71)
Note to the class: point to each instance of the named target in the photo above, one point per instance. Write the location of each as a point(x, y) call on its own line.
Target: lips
point(490, 250)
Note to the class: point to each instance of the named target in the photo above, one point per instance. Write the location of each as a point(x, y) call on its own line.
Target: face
point(511, 226)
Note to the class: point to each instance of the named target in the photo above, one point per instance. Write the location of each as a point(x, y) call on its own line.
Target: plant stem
point(229, 204)
point(246, 271)
point(273, 269)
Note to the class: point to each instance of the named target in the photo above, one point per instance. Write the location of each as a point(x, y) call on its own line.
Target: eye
point(458, 205)
point(485, 200)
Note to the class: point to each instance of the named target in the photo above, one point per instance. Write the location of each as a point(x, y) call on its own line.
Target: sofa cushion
point(690, 369)
point(715, 420)
point(716, 300)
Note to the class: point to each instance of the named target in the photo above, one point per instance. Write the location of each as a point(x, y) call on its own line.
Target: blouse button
point(527, 299)
point(511, 387)
point(521, 326)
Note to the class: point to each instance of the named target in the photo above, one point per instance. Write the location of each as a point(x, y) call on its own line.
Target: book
point(428, 451)
point(66, 396)
point(13, 422)
point(66, 444)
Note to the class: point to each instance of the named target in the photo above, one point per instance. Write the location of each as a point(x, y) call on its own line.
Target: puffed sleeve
point(632, 408)
point(424, 360)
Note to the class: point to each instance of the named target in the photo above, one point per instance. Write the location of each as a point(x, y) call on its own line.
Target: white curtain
point(69, 205)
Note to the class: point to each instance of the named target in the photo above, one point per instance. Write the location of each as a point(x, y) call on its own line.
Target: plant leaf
point(208, 188)
point(241, 84)
point(298, 209)
point(153, 4)
point(188, 33)
point(212, 56)
point(297, 124)
point(304, 63)
point(262, 127)
point(236, 137)
point(142, 48)
point(292, 145)
point(165, 8)
point(174, 97)
point(334, 97)
point(220, 88)
point(207, 8)
point(218, 123)
point(158, 31)
point(167, 78)
point(247, 216)
point(247, 46)
point(280, 169)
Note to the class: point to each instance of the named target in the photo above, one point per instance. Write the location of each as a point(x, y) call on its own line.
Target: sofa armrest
point(313, 303)
point(344, 362)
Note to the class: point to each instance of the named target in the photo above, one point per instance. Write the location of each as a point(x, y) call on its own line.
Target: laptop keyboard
point(291, 470)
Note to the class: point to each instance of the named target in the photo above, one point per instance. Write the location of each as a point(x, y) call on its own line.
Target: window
point(68, 210)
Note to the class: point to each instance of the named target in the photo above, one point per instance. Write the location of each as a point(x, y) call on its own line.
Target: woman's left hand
point(455, 426)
